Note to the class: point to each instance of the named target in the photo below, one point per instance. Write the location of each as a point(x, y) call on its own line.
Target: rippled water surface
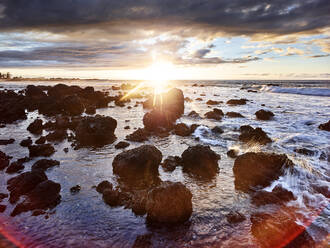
point(84, 220)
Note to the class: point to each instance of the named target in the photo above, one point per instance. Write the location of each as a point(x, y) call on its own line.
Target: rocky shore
point(68, 114)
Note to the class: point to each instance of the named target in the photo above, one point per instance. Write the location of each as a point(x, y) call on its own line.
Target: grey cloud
point(235, 16)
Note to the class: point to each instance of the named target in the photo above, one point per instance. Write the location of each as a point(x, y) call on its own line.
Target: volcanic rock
point(258, 169)
point(264, 115)
point(200, 161)
point(96, 131)
point(169, 203)
point(44, 150)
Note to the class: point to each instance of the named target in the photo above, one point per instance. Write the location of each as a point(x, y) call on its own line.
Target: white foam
point(298, 91)
point(206, 136)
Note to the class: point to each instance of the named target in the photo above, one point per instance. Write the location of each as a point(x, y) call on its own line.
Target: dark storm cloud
point(234, 16)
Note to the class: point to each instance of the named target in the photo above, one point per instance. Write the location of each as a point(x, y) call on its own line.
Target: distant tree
point(8, 75)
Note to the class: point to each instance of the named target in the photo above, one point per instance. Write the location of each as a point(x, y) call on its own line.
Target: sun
point(158, 75)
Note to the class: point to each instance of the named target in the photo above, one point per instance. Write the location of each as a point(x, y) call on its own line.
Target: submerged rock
point(75, 189)
point(24, 183)
point(217, 130)
point(264, 115)
point(200, 161)
point(235, 217)
point(251, 135)
point(44, 150)
point(278, 195)
point(258, 169)
point(139, 166)
point(304, 151)
point(278, 230)
point(234, 115)
point(45, 195)
point(325, 126)
point(169, 203)
point(44, 164)
point(96, 131)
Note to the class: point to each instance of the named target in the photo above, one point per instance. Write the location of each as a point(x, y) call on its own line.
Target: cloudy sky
point(203, 39)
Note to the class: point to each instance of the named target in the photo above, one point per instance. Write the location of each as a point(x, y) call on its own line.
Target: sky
point(197, 39)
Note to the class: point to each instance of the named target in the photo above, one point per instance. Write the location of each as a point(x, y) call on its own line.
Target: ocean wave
point(298, 91)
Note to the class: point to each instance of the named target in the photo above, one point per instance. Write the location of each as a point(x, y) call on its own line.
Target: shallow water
point(84, 220)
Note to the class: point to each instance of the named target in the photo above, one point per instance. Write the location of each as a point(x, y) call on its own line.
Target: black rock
point(325, 126)
point(35, 127)
point(26, 142)
point(235, 217)
point(44, 150)
point(264, 115)
point(75, 189)
point(103, 185)
point(121, 145)
point(44, 164)
point(200, 161)
point(5, 142)
point(258, 169)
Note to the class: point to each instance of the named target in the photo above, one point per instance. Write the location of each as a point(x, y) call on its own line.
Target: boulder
point(96, 131)
point(234, 115)
point(26, 142)
point(325, 126)
point(258, 169)
point(139, 166)
point(169, 203)
point(72, 105)
point(4, 142)
point(35, 127)
point(57, 135)
point(193, 114)
point(90, 110)
point(103, 185)
point(200, 161)
point(237, 101)
point(215, 114)
point(15, 167)
point(34, 92)
point(264, 115)
point(112, 197)
point(44, 196)
point(44, 164)
point(278, 195)
point(171, 162)
point(24, 183)
point(182, 129)
point(232, 153)
point(138, 135)
point(217, 130)
point(12, 107)
point(251, 135)
point(166, 109)
point(4, 160)
point(212, 102)
point(41, 140)
point(44, 150)
point(75, 189)
point(121, 145)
